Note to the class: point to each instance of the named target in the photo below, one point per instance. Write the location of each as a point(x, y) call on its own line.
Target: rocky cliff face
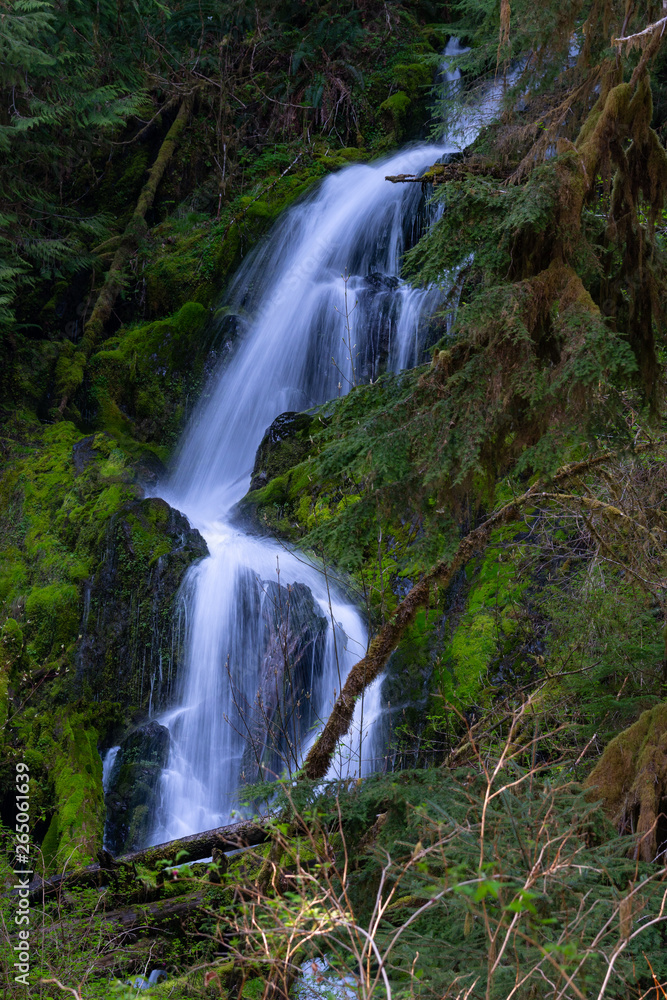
point(130, 648)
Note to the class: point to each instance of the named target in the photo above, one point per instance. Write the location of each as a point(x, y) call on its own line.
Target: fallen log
point(147, 918)
point(456, 170)
point(192, 848)
point(247, 833)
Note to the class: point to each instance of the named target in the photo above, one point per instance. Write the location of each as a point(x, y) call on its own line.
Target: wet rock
point(381, 282)
point(285, 444)
point(149, 469)
point(380, 310)
point(134, 783)
point(291, 660)
point(130, 646)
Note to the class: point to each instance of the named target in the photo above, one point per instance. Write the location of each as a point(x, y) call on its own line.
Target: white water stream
point(289, 300)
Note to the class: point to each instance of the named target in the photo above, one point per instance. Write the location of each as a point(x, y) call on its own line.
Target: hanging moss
point(631, 780)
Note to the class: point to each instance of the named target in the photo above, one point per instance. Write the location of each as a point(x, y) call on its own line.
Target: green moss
point(65, 781)
point(78, 791)
point(472, 647)
point(69, 370)
point(50, 844)
point(52, 616)
point(140, 377)
point(485, 630)
point(11, 644)
point(395, 109)
point(253, 989)
point(11, 655)
point(353, 155)
point(412, 79)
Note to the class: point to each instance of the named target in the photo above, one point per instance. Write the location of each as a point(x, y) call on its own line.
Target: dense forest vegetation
point(499, 513)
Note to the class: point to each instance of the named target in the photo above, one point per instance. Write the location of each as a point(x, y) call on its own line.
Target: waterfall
point(299, 345)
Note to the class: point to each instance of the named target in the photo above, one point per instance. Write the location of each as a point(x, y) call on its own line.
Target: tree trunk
point(135, 229)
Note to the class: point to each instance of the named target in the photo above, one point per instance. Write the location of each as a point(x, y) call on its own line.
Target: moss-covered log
point(128, 918)
point(192, 848)
point(113, 281)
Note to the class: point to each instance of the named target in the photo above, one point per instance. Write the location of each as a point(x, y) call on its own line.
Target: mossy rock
point(412, 78)
point(285, 444)
point(75, 833)
point(51, 617)
point(133, 791)
point(127, 652)
point(394, 111)
point(139, 379)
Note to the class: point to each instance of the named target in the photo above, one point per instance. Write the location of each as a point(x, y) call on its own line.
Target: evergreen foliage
point(82, 83)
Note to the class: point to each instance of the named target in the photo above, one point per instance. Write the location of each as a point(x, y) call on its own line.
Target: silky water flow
point(240, 711)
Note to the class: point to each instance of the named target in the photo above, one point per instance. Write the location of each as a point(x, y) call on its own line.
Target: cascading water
point(301, 343)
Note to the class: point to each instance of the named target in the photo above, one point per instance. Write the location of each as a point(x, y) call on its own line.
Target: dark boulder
point(378, 282)
point(148, 468)
point(291, 658)
point(88, 450)
point(134, 786)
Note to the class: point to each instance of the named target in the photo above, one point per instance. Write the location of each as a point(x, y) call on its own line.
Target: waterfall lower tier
point(269, 648)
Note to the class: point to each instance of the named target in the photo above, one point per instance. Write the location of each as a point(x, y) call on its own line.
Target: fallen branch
point(440, 173)
point(385, 642)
